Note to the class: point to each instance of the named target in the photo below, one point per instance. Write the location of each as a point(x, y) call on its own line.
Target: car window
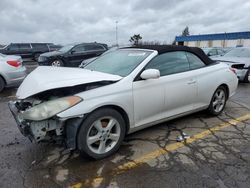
point(170, 63)
point(90, 47)
point(220, 52)
point(79, 48)
point(212, 52)
point(39, 45)
point(194, 61)
point(24, 46)
point(13, 47)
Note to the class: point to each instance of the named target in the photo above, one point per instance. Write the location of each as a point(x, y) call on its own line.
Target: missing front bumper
point(37, 131)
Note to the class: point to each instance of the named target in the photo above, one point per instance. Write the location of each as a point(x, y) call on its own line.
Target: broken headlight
point(48, 109)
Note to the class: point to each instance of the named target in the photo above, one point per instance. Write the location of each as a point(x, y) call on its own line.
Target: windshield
point(238, 52)
point(119, 62)
point(66, 48)
point(206, 50)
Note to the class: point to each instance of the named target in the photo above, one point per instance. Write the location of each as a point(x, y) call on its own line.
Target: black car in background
point(72, 55)
point(28, 50)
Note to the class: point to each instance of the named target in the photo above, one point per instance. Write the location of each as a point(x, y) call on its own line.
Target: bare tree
point(135, 39)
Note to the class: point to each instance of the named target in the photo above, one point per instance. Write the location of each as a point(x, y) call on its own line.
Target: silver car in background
point(239, 59)
point(12, 71)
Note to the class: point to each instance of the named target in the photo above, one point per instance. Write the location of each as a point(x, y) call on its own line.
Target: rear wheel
point(2, 84)
point(218, 101)
point(101, 134)
point(57, 63)
point(247, 77)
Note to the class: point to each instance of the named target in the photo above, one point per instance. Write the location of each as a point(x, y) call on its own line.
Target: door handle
point(192, 81)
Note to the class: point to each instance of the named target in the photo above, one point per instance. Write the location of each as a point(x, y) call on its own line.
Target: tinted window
point(194, 61)
point(90, 47)
point(39, 45)
point(13, 47)
point(170, 63)
point(80, 48)
point(24, 46)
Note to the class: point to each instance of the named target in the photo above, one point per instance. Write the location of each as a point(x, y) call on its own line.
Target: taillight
point(233, 70)
point(14, 63)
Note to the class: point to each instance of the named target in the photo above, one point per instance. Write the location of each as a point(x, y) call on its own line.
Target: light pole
point(116, 32)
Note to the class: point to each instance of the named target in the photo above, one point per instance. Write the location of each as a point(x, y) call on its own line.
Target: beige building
point(215, 40)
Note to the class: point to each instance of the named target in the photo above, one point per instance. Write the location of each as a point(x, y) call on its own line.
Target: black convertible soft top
point(172, 48)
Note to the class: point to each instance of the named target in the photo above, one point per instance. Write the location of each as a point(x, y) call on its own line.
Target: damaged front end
point(45, 93)
point(37, 118)
point(38, 121)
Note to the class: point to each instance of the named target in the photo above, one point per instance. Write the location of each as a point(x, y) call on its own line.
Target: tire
point(101, 133)
point(218, 101)
point(247, 77)
point(57, 63)
point(2, 84)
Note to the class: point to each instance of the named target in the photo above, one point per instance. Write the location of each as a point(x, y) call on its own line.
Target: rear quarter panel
point(210, 78)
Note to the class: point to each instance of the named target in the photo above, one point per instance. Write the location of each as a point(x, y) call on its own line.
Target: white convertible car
point(93, 108)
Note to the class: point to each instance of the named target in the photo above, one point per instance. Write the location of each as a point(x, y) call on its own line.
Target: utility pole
point(116, 32)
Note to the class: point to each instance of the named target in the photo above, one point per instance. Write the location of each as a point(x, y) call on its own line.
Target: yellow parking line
point(152, 155)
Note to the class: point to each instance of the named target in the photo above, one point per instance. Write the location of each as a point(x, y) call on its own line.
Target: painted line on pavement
point(156, 153)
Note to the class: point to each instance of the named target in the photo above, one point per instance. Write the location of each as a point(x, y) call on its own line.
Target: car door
point(172, 94)
point(12, 49)
point(93, 50)
point(205, 80)
point(76, 55)
point(25, 50)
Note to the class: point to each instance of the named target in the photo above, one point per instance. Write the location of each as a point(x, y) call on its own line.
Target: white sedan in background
point(12, 72)
point(121, 92)
point(238, 59)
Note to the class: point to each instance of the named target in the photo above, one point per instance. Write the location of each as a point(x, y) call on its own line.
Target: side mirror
point(150, 74)
point(72, 51)
point(209, 54)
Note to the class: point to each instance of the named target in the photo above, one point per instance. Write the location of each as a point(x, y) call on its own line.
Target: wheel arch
point(73, 125)
point(227, 89)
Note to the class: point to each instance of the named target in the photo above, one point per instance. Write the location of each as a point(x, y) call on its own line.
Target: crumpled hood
point(233, 59)
point(45, 78)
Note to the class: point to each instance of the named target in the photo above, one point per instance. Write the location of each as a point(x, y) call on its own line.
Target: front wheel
point(101, 134)
point(57, 63)
point(218, 101)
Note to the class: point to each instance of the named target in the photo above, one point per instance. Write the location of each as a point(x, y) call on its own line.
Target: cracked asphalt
point(221, 159)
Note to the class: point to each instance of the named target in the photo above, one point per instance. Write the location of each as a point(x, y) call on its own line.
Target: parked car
point(214, 52)
point(12, 72)
point(72, 55)
point(239, 59)
point(87, 61)
point(121, 92)
point(26, 50)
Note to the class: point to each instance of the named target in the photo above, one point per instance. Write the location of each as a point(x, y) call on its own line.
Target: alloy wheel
point(103, 135)
point(219, 100)
point(56, 63)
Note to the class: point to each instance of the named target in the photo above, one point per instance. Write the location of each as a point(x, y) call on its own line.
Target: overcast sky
point(64, 21)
